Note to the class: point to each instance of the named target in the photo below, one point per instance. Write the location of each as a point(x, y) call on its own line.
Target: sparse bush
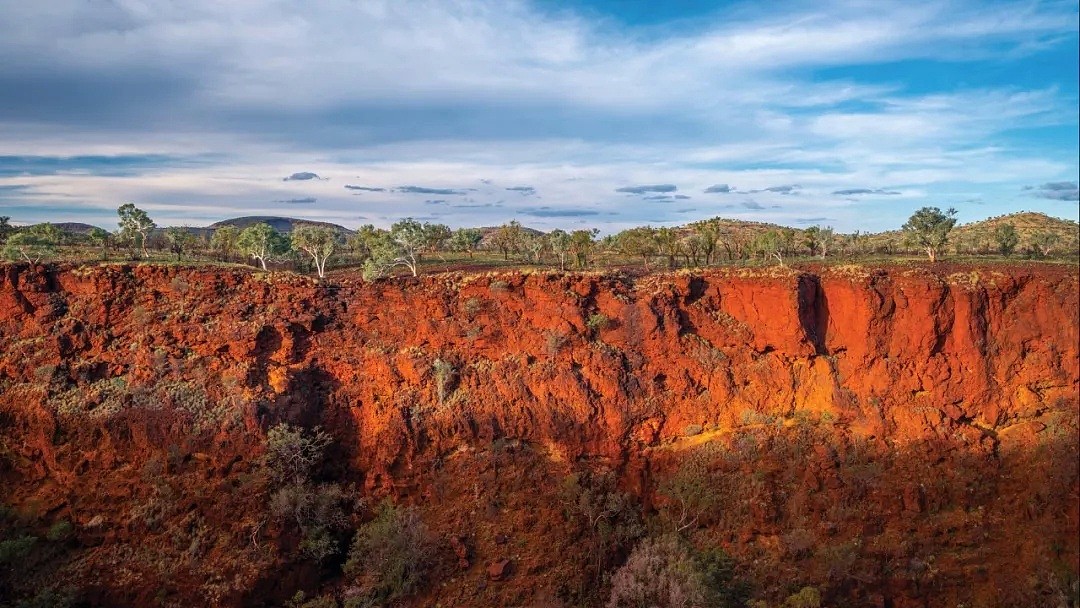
point(179, 285)
point(610, 517)
point(389, 557)
point(292, 454)
point(807, 597)
point(472, 306)
point(554, 343)
point(300, 601)
point(445, 374)
point(60, 530)
point(319, 512)
point(50, 597)
point(693, 491)
point(660, 573)
point(598, 322)
point(16, 549)
point(665, 573)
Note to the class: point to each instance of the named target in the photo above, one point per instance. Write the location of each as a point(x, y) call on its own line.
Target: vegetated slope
point(892, 438)
point(281, 224)
point(1028, 224)
point(979, 236)
point(75, 227)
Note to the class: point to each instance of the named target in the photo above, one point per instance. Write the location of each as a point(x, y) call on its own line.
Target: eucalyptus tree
point(261, 242)
point(466, 240)
point(135, 226)
point(225, 240)
point(32, 244)
point(319, 242)
point(929, 228)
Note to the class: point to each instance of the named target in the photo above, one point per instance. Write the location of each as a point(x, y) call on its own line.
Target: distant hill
point(739, 227)
point(202, 233)
point(74, 227)
point(281, 224)
point(488, 232)
point(978, 237)
point(1027, 223)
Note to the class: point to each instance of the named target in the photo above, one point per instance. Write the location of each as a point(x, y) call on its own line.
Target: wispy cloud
point(364, 188)
point(719, 189)
point(646, 189)
point(862, 191)
point(302, 176)
point(307, 200)
point(1058, 191)
point(553, 212)
point(785, 189)
point(423, 190)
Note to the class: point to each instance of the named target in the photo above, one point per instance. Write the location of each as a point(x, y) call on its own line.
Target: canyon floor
point(834, 436)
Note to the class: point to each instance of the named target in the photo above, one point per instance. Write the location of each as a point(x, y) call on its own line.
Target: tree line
point(408, 242)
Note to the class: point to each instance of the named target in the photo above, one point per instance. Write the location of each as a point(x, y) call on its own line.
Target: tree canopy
point(32, 244)
point(319, 242)
point(262, 243)
point(929, 228)
point(135, 226)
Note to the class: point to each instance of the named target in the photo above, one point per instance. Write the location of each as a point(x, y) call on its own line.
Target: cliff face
point(897, 438)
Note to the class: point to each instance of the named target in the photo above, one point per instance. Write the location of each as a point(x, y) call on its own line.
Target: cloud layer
point(845, 110)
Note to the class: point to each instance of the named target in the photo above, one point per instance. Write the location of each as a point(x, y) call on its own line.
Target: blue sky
point(612, 113)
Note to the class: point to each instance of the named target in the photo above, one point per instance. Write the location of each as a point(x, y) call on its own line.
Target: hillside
point(978, 237)
point(281, 224)
point(903, 438)
point(1028, 225)
point(75, 227)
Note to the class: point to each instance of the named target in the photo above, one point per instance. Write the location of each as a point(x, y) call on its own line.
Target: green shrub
point(300, 601)
point(611, 518)
point(807, 597)
point(598, 322)
point(50, 597)
point(389, 557)
point(318, 510)
point(445, 375)
point(60, 530)
point(293, 453)
point(16, 549)
point(718, 573)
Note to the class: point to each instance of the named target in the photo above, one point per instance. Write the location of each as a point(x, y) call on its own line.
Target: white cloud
point(396, 92)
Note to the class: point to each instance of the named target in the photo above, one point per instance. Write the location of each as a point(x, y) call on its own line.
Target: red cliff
point(900, 437)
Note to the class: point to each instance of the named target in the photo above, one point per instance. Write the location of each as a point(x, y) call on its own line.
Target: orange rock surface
point(894, 437)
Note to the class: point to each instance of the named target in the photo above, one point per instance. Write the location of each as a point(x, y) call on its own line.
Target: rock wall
point(119, 381)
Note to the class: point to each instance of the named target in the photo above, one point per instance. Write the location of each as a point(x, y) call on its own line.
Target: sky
point(598, 113)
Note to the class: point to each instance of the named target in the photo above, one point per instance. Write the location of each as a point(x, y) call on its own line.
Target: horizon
point(595, 113)
point(300, 219)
